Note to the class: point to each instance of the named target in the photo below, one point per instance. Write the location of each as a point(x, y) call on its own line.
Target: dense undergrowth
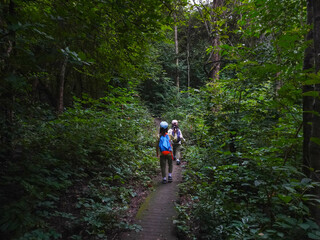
point(243, 178)
point(73, 176)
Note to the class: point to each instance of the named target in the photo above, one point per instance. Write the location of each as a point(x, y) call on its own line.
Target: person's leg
point(169, 163)
point(178, 148)
point(169, 168)
point(174, 148)
point(163, 166)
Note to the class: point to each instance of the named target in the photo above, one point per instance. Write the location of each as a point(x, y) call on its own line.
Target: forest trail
point(157, 213)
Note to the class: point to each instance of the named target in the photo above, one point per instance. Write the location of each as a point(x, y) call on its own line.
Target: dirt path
point(156, 214)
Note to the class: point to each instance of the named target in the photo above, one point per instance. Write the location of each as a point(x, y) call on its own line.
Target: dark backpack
point(178, 134)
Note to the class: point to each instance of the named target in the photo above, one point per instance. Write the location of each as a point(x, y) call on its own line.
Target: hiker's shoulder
point(159, 136)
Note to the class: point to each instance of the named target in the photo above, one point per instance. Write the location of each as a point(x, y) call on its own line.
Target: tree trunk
point(214, 38)
point(314, 146)
point(61, 85)
point(177, 55)
point(215, 59)
point(215, 55)
point(188, 56)
point(7, 68)
point(308, 64)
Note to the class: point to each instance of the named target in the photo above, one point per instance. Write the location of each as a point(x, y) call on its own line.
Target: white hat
point(174, 122)
point(164, 124)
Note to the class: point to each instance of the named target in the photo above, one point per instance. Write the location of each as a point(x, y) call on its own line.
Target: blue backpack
point(164, 144)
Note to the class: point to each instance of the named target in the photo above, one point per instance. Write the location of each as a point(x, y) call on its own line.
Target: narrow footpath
point(157, 213)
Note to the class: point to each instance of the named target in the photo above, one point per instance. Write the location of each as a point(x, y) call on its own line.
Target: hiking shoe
point(164, 181)
point(169, 179)
point(178, 162)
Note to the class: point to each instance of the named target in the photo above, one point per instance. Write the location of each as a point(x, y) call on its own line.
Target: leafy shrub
point(242, 180)
point(76, 174)
point(241, 201)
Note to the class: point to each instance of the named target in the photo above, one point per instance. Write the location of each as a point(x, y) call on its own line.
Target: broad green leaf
point(311, 94)
point(315, 140)
point(284, 198)
point(314, 79)
point(304, 226)
point(313, 236)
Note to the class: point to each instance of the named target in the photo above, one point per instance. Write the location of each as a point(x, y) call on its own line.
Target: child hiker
point(176, 136)
point(165, 147)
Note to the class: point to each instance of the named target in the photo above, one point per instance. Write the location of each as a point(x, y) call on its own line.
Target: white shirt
point(175, 136)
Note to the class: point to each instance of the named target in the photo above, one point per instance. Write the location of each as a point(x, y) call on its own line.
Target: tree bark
point(215, 59)
point(308, 64)
point(211, 27)
point(177, 54)
point(188, 55)
point(7, 67)
point(314, 147)
point(215, 56)
point(61, 85)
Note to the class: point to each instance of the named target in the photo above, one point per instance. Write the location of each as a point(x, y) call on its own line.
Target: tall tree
point(314, 144)
point(215, 54)
point(308, 65)
point(61, 85)
point(211, 14)
point(188, 52)
point(8, 75)
point(176, 42)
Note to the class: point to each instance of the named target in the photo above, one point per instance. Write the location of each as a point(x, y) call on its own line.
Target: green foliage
point(105, 44)
point(51, 167)
point(235, 198)
point(72, 177)
point(243, 179)
point(78, 171)
point(157, 89)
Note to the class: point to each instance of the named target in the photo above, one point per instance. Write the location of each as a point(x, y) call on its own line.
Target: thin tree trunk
point(188, 55)
point(8, 97)
point(215, 56)
point(61, 86)
point(210, 27)
point(177, 55)
point(307, 100)
point(314, 147)
point(215, 59)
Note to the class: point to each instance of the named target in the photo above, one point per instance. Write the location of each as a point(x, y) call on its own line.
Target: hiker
point(165, 147)
point(176, 136)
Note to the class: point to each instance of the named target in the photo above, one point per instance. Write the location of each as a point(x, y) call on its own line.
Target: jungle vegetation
point(81, 84)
